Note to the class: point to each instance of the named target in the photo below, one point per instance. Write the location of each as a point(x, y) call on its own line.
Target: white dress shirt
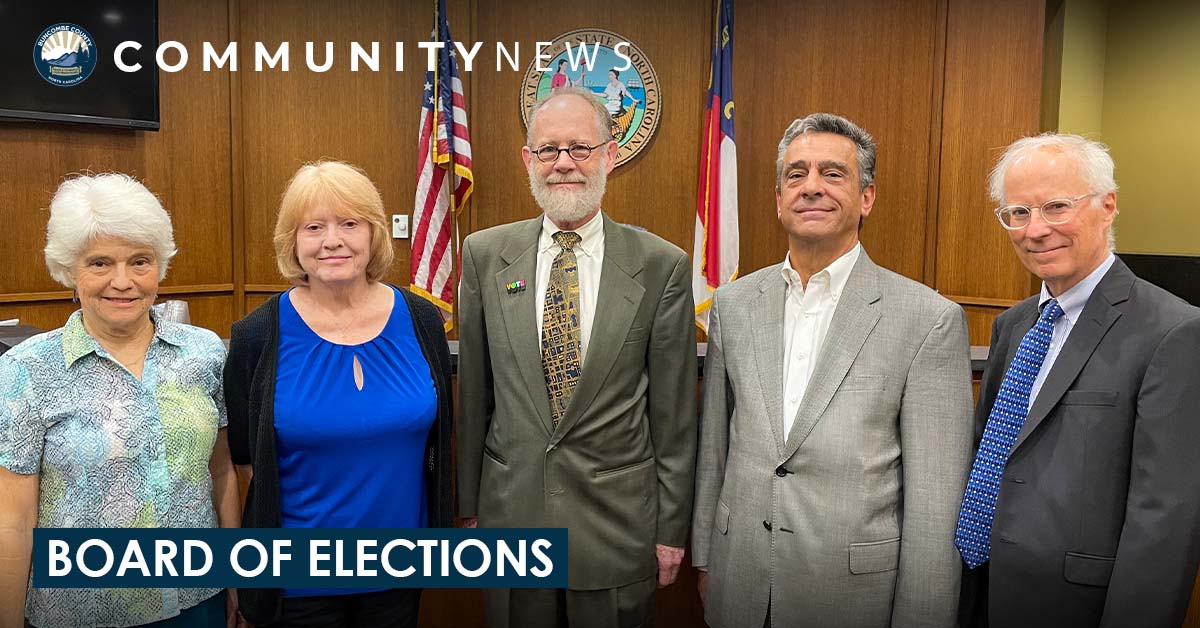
point(589, 257)
point(1071, 302)
point(807, 312)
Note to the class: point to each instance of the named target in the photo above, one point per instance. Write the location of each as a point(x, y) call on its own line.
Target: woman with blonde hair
point(116, 419)
point(339, 395)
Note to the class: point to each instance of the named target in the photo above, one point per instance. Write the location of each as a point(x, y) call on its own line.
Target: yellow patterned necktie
point(560, 326)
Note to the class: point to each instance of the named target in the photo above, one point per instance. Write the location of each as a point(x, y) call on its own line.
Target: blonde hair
point(348, 192)
point(86, 207)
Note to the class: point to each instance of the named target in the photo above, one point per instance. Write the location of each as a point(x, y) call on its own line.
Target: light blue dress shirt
point(1071, 302)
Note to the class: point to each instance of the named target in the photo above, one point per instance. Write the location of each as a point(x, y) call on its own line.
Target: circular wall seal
point(65, 54)
point(592, 59)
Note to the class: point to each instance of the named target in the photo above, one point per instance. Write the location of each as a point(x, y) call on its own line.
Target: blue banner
point(295, 558)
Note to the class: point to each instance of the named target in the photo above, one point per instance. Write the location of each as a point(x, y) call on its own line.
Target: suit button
point(767, 525)
point(1017, 480)
point(781, 472)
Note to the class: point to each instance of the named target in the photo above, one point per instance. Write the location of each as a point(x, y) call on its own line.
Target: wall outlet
point(400, 226)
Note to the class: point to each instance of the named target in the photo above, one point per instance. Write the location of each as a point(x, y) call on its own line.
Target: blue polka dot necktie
point(560, 326)
point(973, 535)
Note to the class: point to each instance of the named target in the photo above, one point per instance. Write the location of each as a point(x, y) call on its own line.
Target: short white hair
point(1092, 157)
point(115, 205)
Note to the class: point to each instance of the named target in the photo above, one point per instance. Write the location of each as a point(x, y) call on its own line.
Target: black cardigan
point(250, 400)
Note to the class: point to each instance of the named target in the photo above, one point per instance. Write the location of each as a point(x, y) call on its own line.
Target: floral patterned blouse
point(114, 451)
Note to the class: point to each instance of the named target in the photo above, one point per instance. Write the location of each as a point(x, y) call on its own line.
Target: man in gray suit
point(1083, 504)
point(836, 428)
point(577, 382)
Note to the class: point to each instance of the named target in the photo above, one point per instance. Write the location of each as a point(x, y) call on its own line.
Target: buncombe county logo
point(611, 66)
point(65, 55)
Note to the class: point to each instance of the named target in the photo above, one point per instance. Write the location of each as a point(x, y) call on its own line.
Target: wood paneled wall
point(657, 189)
point(187, 164)
point(991, 96)
point(910, 72)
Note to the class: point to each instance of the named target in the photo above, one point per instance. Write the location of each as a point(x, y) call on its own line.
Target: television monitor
point(56, 62)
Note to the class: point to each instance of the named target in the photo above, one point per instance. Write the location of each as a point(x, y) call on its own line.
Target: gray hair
point(830, 123)
point(115, 205)
point(603, 120)
point(1093, 159)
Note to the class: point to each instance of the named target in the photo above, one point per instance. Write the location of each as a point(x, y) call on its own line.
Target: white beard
point(567, 206)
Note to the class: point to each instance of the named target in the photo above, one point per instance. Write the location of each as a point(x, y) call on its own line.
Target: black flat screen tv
point(56, 62)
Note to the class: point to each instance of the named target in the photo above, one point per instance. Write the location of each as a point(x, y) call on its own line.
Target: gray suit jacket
point(849, 519)
point(1098, 519)
point(618, 471)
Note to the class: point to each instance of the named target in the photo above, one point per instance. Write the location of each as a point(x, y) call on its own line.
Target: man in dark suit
point(1083, 503)
point(577, 382)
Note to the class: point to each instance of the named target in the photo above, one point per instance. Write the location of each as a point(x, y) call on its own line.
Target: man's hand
point(702, 585)
point(468, 522)
point(669, 559)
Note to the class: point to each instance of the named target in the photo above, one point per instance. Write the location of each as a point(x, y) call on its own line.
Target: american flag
point(444, 177)
point(715, 248)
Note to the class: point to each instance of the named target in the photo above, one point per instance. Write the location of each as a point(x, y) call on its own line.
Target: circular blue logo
point(65, 55)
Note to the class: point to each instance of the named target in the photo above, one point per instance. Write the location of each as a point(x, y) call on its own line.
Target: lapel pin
point(515, 286)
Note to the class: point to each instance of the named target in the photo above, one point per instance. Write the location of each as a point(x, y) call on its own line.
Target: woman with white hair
point(116, 419)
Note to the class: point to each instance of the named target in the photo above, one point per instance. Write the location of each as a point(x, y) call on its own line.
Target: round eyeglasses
point(1055, 212)
point(577, 152)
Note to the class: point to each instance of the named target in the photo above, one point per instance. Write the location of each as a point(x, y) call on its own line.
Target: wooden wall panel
point(365, 118)
point(34, 159)
point(880, 65)
point(657, 189)
point(210, 311)
point(991, 97)
point(42, 314)
point(979, 323)
point(869, 61)
point(255, 299)
point(186, 164)
point(187, 161)
point(451, 608)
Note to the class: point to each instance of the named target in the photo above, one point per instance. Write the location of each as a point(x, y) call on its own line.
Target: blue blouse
point(351, 458)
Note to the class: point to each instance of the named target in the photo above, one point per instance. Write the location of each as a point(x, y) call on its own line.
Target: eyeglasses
point(577, 152)
point(1055, 212)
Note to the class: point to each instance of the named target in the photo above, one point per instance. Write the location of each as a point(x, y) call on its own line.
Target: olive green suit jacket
point(618, 470)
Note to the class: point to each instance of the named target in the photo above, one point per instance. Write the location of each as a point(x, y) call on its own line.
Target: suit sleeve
point(935, 435)
point(671, 369)
point(716, 410)
point(1159, 548)
point(476, 401)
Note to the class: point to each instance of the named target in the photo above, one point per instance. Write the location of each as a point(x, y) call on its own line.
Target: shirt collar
point(838, 271)
point(591, 235)
point(1073, 300)
point(77, 342)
